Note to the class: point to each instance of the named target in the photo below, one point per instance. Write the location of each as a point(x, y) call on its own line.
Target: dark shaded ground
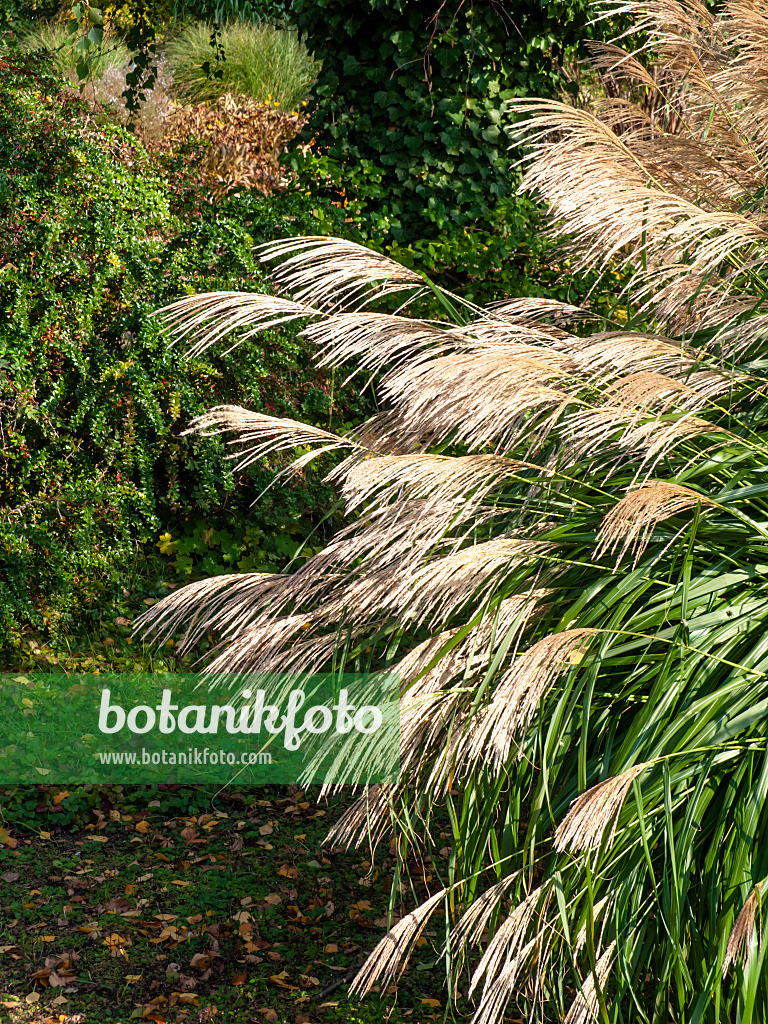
point(235, 914)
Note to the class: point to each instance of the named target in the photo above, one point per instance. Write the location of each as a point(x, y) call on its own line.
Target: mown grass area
point(233, 913)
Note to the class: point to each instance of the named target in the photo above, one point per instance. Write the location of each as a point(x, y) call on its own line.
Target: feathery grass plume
point(435, 478)
point(209, 318)
point(518, 695)
point(632, 520)
point(599, 910)
point(332, 274)
point(594, 811)
point(474, 922)
point(220, 604)
point(259, 435)
point(390, 956)
point(515, 446)
point(584, 1009)
point(368, 820)
point(376, 340)
point(743, 939)
point(508, 943)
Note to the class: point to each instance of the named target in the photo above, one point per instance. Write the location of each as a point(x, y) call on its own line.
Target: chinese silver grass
point(742, 939)
point(557, 538)
point(584, 1008)
point(594, 812)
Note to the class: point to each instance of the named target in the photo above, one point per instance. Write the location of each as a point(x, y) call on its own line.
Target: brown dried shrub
point(236, 141)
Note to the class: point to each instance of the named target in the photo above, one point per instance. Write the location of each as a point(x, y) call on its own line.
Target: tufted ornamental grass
point(113, 53)
point(261, 62)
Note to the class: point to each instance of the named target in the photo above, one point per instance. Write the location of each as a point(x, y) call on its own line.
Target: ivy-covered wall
point(408, 119)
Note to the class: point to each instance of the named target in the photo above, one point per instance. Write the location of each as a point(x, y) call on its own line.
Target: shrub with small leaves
point(95, 235)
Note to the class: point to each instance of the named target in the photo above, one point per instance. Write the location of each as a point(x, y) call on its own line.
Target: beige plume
point(595, 811)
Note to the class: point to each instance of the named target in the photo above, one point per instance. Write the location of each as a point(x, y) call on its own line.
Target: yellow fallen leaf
point(7, 839)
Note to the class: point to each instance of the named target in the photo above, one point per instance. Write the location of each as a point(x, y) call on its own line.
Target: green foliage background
point(103, 502)
point(94, 399)
point(407, 118)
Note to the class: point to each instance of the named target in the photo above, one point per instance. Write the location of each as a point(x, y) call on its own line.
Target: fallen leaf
point(10, 876)
point(281, 979)
point(331, 948)
point(32, 997)
point(143, 826)
point(428, 1001)
point(288, 871)
point(266, 830)
point(273, 899)
point(239, 979)
point(7, 839)
point(188, 998)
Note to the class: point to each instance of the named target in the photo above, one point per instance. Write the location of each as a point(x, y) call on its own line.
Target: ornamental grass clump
point(112, 53)
point(560, 544)
point(259, 61)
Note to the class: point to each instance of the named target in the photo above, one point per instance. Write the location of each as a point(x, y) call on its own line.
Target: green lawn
point(148, 911)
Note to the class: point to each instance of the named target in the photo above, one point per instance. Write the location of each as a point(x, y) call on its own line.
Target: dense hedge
point(408, 116)
point(93, 238)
